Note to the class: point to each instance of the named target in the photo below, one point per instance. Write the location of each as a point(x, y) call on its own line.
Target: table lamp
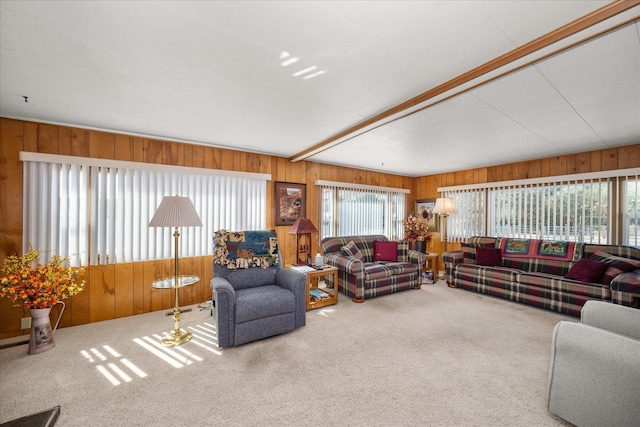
point(176, 211)
point(302, 228)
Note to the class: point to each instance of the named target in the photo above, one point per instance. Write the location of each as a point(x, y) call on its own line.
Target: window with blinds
point(591, 208)
point(631, 212)
point(101, 210)
point(348, 209)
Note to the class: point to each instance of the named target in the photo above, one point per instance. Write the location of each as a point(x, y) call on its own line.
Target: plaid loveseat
point(368, 279)
point(535, 278)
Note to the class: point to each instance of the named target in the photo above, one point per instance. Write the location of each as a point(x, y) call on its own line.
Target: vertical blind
point(589, 208)
point(101, 212)
point(347, 209)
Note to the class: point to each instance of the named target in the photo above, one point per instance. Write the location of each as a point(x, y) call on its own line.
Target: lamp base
point(176, 337)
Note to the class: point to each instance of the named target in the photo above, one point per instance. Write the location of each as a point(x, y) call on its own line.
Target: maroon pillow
point(490, 257)
point(385, 251)
point(587, 270)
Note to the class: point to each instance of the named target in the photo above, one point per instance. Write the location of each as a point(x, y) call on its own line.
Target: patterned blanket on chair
point(245, 249)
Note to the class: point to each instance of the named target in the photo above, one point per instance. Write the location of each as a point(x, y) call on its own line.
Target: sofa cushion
point(489, 256)
point(616, 265)
point(375, 271)
point(385, 251)
point(350, 249)
point(550, 283)
point(587, 270)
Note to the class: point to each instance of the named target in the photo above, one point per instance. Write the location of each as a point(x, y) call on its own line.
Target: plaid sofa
point(368, 279)
point(539, 281)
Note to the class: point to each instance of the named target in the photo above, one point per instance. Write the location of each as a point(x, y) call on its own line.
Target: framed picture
point(291, 202)
point(424, 212)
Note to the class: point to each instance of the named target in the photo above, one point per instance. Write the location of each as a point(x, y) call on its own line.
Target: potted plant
point(39, 287)
point(416, 232)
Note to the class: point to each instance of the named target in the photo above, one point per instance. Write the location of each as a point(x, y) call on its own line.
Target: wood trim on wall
point(625, 157)
point(119, 290)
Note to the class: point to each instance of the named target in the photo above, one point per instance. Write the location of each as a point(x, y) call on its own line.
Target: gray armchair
point(253, 296)
point(594, 378)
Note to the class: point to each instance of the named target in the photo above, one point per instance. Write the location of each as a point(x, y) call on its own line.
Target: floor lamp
point(444, 206)
point(176, 211)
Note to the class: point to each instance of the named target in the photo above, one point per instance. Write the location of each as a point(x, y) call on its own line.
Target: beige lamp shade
point(176, 211)
point(444, 205)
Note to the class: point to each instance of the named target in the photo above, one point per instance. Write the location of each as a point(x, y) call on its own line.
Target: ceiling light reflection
point(304, 71)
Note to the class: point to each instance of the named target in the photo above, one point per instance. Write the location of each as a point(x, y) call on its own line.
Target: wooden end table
point(318, 293)
point(431, 258)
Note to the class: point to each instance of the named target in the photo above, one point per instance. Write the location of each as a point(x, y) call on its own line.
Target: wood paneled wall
point(590, 161)
point(120, 290)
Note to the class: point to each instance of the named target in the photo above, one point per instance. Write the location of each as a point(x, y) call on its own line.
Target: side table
point(431, 258)
point(318, 293)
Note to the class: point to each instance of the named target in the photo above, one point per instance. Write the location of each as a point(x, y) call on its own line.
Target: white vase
point(41, 338)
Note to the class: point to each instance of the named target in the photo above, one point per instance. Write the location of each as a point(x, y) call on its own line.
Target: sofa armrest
point(625, 289)
point(416, 257)
point(612, 317)
point(351, 265)
point(224, 311)
point(296, 282)
point(451, 259)
point(593, 376)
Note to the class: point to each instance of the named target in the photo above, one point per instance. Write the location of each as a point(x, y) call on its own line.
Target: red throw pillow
point(587, 270)
point(385, 251)
point(490, 257)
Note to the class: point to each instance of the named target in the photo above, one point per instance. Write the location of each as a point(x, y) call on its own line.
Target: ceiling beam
point(544, 41)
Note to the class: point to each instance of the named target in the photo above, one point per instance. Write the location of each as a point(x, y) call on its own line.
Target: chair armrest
point(351, 265)
point(612, 317)
point(453, 257)
point(593, 376)
point(224, 311)
point(416, 257)
point(296, 282)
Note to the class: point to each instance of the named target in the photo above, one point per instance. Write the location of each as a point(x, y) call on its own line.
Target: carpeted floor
point(435, 356)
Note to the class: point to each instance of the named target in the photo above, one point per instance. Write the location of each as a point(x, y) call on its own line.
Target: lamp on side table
point(302, 228)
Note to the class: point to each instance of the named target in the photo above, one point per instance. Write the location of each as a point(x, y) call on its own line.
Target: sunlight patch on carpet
point(112, 371)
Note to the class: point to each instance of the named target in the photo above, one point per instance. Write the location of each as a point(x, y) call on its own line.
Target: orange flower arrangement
point(39, 286)
point(415, 230)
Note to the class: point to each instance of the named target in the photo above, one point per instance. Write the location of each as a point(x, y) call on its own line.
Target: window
point(579, 208)
point(469, 221)
point(631, 212)
point(348, 209)
point(100, 210)
point(572, 211)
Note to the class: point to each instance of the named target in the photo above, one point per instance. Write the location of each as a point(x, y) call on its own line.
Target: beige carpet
point(435, 356)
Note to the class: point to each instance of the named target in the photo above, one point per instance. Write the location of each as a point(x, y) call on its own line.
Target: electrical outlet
point(25, 323)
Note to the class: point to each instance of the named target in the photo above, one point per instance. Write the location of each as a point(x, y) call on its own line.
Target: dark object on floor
point(41, 419)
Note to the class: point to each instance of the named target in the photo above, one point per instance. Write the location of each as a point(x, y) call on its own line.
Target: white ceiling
point(210, 73)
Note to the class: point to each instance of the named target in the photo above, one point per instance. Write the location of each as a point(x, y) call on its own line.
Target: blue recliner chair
point(253, 296)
